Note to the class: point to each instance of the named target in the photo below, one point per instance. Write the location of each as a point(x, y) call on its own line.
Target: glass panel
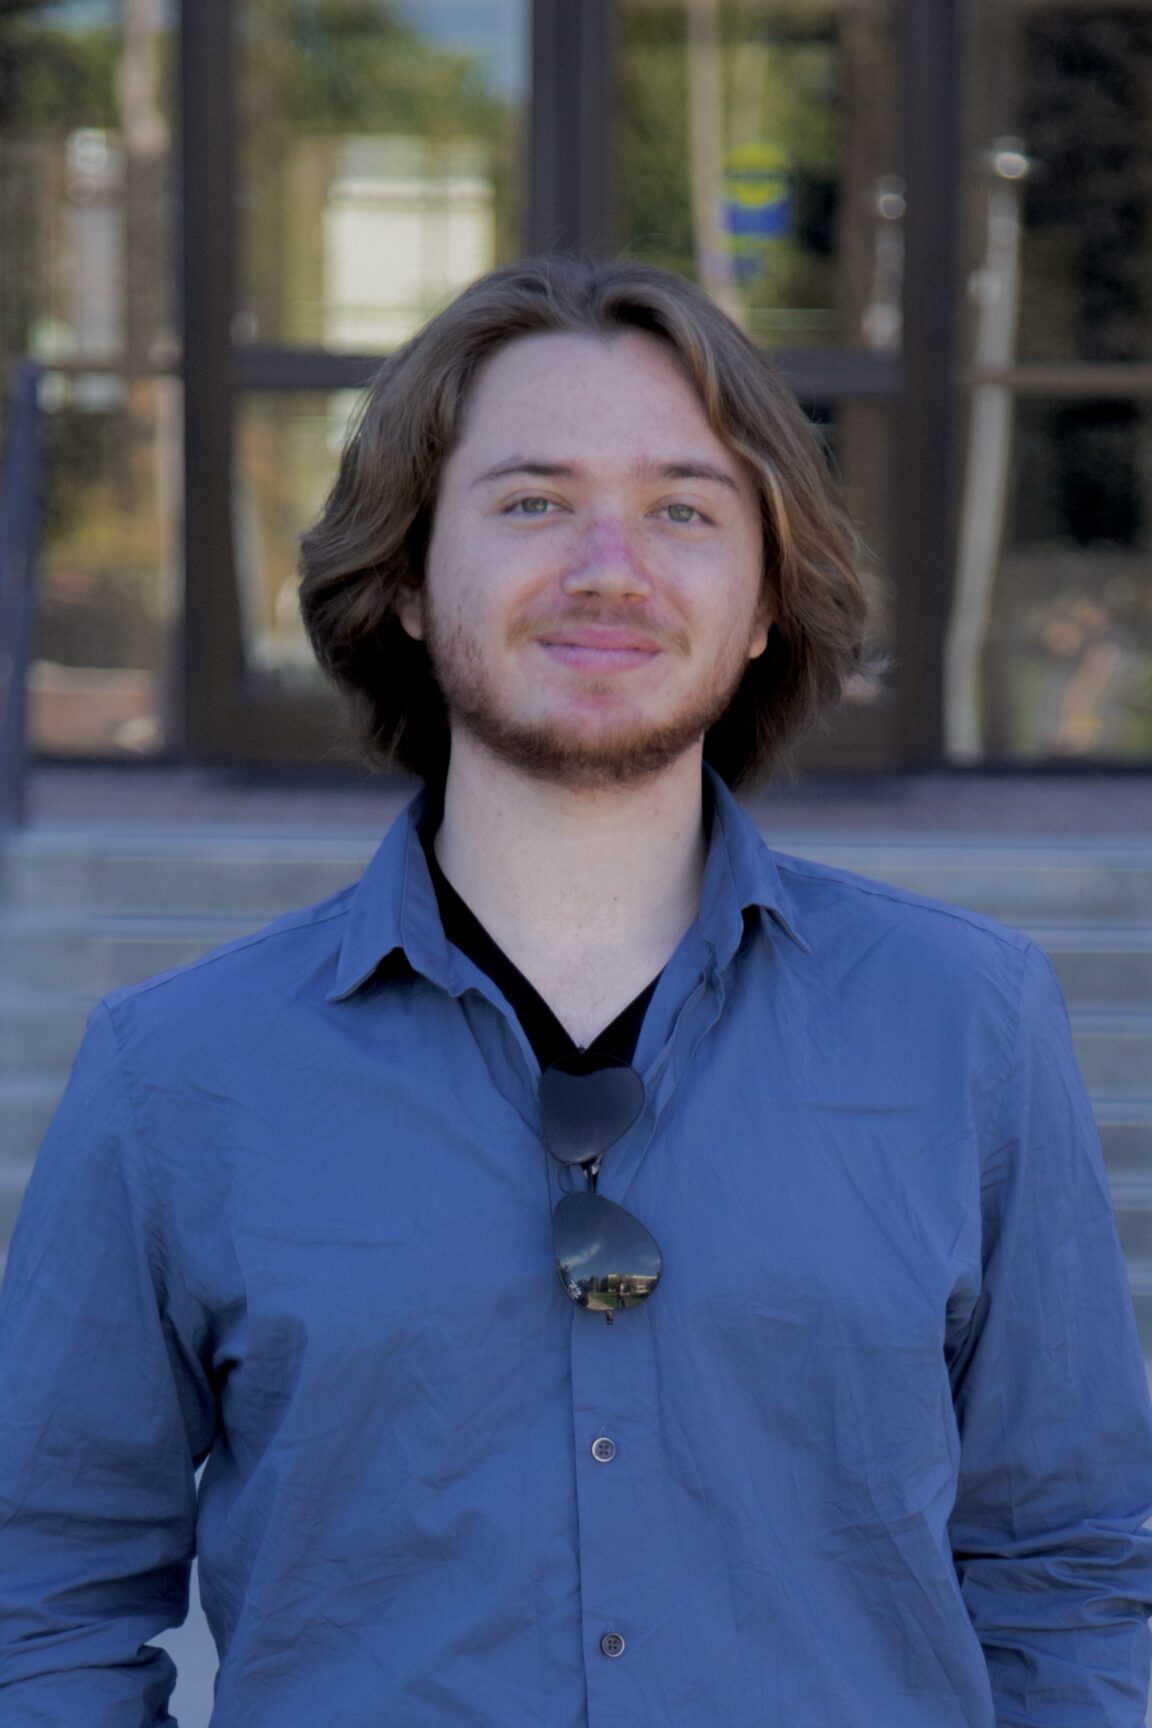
point(1060, 227)
point(288, 445)
point(110, 565)
point(1051, 656)
point(756, 151)
point(85, 282)
point(379, 162)
point(858, 438)
point(85, 128)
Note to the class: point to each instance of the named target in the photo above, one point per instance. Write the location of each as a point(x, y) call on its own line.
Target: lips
point(600, 650)
point(604, 641)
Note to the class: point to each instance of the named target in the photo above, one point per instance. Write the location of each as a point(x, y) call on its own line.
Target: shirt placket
point(626, 1521)
point(630, 1570)
point(618, 1494)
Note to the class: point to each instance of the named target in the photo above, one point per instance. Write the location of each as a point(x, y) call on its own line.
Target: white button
point(603, 1449)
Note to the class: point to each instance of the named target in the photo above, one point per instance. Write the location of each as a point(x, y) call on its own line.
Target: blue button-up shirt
point(882, 1439)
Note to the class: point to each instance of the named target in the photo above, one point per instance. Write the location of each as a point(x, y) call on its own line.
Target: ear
point(409, 606)
point(761, 628)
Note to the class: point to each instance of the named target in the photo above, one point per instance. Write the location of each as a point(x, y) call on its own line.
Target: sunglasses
point(606, 1258)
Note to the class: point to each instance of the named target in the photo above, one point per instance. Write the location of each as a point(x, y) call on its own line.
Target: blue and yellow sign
point(759, 202)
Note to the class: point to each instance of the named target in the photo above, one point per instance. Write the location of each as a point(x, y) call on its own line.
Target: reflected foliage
point(46, 74)
point(85, 250)
point(343, 66)
point(782, 89)
point(47, 80)
point(319, 78)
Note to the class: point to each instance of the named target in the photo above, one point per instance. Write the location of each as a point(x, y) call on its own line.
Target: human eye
point(684, 515)
point(529, 506)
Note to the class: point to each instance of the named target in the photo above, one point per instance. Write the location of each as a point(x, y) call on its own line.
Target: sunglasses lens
point(585, 1110)
point(605, 1257)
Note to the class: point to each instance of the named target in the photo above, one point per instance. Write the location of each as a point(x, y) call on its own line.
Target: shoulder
point(219, 993)
point(913, 948)
point(826, 891)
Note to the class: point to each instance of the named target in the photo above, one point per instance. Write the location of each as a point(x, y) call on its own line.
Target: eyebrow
point(693, 469)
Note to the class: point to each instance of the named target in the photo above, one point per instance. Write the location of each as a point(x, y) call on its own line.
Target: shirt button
point(603, 1450)
point(612, 1644)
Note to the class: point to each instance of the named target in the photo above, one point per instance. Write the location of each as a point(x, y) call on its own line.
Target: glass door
point(1050, 638)
point(367, 163)
point(347, 168)
point(86, 280)
point(758, 149)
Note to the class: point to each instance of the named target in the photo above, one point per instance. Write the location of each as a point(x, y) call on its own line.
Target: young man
point(835, 1416)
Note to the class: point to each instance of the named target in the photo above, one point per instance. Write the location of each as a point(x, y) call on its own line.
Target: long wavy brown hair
point(371, 538)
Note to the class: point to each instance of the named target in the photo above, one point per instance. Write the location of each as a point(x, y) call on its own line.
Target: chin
point(588, 757)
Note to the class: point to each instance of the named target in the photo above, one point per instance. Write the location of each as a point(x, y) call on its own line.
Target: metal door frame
point(227, 716)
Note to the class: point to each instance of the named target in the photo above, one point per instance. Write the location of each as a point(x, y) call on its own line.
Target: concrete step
point(1114, 1050)
point(1142, 1302)
point(1132, 1198)
point(1140, 1280)
point(39, 1029)
point(1133, 1202)
point(94, 953)
point(1125, 1126)
point(13, 1180)
point(1100, 963)
point(258, 876)
point(263, 874)
point(1021, 884)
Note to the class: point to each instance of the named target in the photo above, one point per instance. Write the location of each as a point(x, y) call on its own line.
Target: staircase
point(85, 910)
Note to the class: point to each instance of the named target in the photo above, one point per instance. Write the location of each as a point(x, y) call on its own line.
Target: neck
point(557, 873)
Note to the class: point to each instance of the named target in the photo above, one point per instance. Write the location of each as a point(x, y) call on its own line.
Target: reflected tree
point(314, 74)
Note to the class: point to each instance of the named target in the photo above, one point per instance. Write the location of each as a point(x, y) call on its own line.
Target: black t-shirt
point(546, 1035)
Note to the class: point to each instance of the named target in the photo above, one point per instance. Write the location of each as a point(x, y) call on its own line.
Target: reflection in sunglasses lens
point(605, 1257)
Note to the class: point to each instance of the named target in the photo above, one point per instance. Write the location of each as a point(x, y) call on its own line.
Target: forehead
point(611, 389)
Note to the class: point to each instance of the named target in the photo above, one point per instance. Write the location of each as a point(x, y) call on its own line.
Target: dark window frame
point(228, 715)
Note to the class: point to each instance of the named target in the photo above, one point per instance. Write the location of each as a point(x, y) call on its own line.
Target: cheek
point(446, 575)
point(737, 607)
point(464, 605)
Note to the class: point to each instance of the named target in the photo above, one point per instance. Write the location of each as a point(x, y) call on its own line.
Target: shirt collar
point(741, 873)
point(394, 908)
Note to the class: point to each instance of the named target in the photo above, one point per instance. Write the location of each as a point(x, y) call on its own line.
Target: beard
point(621, 752)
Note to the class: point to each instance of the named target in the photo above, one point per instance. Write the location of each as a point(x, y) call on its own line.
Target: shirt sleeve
point(1051, 1395)
point(104, 1415)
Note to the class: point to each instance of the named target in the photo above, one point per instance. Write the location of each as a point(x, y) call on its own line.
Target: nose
point(606, 561)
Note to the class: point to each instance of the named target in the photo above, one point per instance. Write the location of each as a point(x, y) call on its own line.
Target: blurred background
point(938, 216)
point(217, 217)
